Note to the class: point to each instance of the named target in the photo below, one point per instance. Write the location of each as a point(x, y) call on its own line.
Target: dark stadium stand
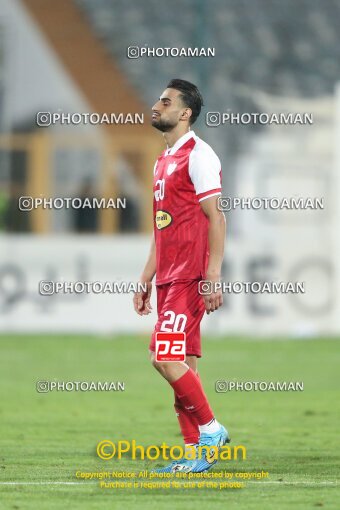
point(270, 55)
point(284, 48)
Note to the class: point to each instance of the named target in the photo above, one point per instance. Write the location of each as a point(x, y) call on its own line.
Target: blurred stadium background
point(71, 56)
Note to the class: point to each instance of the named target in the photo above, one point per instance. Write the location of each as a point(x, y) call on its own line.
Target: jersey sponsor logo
point(163, 219)
point(171, 168)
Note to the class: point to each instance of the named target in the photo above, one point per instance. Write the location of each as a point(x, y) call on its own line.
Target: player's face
point(168, 111)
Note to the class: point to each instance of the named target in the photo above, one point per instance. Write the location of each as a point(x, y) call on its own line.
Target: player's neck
point(172, 136)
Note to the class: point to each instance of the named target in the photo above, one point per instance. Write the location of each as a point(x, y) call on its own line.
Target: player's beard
point(163, 125)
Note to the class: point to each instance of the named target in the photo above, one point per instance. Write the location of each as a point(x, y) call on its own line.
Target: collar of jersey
point(180, 142)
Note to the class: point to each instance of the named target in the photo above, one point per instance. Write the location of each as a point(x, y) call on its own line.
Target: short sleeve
point(205, 171)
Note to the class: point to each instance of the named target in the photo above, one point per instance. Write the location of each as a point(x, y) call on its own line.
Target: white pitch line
point(268, 482)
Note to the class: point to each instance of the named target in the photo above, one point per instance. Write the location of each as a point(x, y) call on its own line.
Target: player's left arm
point(206, 176)
point(217, 234)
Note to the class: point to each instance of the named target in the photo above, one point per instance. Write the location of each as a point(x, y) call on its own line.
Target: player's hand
point(141, 301)
point(213, 300)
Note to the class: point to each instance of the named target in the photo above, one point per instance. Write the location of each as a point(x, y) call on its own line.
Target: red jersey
point(184, 175)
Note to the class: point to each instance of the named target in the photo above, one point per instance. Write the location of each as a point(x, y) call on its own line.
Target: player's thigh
point(182, 307)
point(182, 310)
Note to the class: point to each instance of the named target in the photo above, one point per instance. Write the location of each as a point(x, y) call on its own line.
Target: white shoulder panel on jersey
point(205, 170)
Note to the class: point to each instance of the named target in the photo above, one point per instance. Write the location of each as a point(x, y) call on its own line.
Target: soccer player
point(187, 247)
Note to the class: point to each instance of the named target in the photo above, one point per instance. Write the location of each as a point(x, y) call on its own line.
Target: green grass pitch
point(46, 438)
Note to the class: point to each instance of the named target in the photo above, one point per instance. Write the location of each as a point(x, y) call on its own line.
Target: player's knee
point(153, 360)
point(158, 365)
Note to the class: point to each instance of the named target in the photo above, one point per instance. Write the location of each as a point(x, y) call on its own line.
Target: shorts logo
point(171, 168)
point(170, 346)
point(163, 219)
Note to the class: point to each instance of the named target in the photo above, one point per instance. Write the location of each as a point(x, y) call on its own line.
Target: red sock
point(190, 392)
point(187, 422)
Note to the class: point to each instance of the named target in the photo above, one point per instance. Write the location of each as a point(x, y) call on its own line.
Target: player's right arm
point(141, 300)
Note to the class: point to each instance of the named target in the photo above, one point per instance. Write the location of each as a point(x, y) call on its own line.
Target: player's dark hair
point(190, 96)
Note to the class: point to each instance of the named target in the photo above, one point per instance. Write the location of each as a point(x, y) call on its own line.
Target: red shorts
point(180, 308)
